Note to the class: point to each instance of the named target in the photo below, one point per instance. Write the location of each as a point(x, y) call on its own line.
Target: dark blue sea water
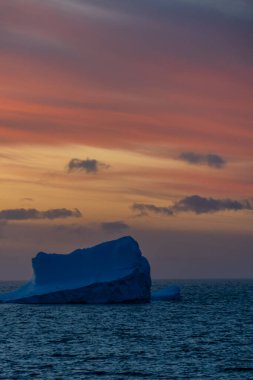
point(206, 335)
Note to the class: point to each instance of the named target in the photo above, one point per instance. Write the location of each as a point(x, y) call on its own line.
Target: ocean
point(208, 334)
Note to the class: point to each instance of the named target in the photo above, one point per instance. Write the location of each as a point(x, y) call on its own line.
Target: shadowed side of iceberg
point(132, 288)
point(111, 272)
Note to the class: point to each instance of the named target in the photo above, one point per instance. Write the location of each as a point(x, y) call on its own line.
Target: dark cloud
point(116, 226)
point(212, 160)
point(32, 213)
point(196, 204)
point(88, 165)
point(201, 205)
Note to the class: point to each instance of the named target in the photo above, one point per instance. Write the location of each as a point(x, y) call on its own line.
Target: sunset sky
point(128, 117)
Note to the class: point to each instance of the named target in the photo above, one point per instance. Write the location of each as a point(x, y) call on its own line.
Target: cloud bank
point(88, 165)
point(212, 160)
point(32, 213)
point(195, 204)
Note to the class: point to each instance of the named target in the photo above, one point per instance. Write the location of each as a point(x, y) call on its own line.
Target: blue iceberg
point(111, 272)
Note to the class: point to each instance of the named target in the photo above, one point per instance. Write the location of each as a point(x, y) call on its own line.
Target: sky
point(128, 118)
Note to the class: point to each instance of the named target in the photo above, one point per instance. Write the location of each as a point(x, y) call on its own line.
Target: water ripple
point(208, 335)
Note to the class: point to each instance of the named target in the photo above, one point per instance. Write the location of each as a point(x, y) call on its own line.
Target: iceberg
point(171, 293)
point(111, 272)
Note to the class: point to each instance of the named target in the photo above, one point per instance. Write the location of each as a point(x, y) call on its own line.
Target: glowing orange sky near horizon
point(132, 86)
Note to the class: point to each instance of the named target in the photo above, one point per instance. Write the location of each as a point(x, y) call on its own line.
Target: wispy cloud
point(144, 209)
point(212, 160)
point(195, 204)
point(88, 165)
point(236, 8)
point(32, 213)
point(88, 8)
point(187, 80)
